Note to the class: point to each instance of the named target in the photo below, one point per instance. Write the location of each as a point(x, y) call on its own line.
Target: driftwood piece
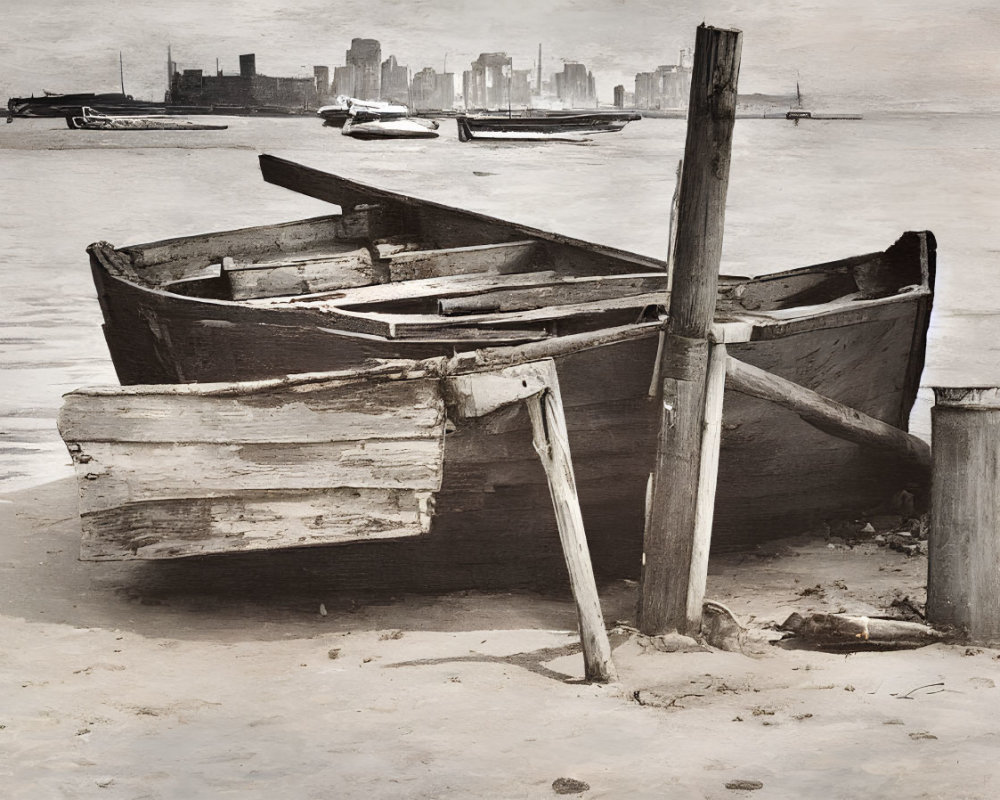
point(846, 632)
point(826, 414)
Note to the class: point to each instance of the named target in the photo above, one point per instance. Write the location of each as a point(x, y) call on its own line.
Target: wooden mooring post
point(679, 516)
point(963, 581)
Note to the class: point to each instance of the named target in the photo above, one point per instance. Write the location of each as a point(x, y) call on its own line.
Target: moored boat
point(397, 277)
point(373, 126)
point(541, 126)
point(337, 113)
point(88, 119)
point(59, 105)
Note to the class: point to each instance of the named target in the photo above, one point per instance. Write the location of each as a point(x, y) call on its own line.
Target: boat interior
point(411, 271)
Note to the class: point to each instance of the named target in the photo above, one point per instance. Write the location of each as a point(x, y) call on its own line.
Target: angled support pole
point(537, 385)
point(828, 415)
point(671, 595)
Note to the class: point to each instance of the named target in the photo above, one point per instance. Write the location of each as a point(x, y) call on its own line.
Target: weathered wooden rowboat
point(395, 277)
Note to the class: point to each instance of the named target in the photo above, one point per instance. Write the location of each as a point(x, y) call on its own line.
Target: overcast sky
point(858, 53)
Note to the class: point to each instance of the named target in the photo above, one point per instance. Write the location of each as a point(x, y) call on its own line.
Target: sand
point(122, 680)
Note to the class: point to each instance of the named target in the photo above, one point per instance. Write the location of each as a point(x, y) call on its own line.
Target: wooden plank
point(298, 277)
point(391, 410)
point(826, 414)
point(253, 521)
point(168, 259)
point(551, 440)
point(118, 473)
point(568, 290)
point(669, 538)
point(504, 257)
point(410, 325)
point(172, 259)
point(711, 441)
point(343, 191)
point(433, 288)
point(479, 393)
point(963, 579)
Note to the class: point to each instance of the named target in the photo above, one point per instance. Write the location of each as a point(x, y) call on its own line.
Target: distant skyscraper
point(485, 85)
point(344, 80)
point(432, 91)
point(365, 56)
point(322, 76)
point(669, 86)
point(395, 81)
point(538, 84)
point(575, 86)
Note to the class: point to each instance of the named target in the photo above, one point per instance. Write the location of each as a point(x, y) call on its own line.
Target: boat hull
point(87, 119)
point(391, 129)
point(852, 330)
point(778, 475)
point(540, 127)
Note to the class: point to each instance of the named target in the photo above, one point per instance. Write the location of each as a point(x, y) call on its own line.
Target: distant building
point(395, 82)
point(485, 84)
point(344, 80)
point(575, 86)
point(193, 87)
point(619, 101)
point(322, 76)
point(668, 86)
point(520, 87)
point(432, 91)
point(365, 56)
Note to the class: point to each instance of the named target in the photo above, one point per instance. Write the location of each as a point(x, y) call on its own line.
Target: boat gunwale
point(761, 325)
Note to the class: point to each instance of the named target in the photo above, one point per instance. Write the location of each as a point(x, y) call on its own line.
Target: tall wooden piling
point(963, 581)
point(670, 594)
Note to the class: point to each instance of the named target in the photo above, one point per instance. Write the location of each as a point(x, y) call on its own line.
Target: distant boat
point(336, 114)
point(59, 105)
point(91, 120)
point(373, 126)
point(542, 125)
point(798, 112)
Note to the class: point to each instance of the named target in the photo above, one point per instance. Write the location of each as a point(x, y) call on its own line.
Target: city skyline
point(909, 53)
point(491, 82)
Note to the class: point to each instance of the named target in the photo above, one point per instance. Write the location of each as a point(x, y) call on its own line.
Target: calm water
point(798, 195)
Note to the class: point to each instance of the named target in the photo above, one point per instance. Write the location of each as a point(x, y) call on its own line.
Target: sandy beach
point(215, 679)
point(137, 680)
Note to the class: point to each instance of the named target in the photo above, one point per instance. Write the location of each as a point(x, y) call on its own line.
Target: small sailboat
point(798, 112)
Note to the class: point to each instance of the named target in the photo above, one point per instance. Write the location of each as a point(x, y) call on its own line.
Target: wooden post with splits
point(679, 517)
point(963, 565)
